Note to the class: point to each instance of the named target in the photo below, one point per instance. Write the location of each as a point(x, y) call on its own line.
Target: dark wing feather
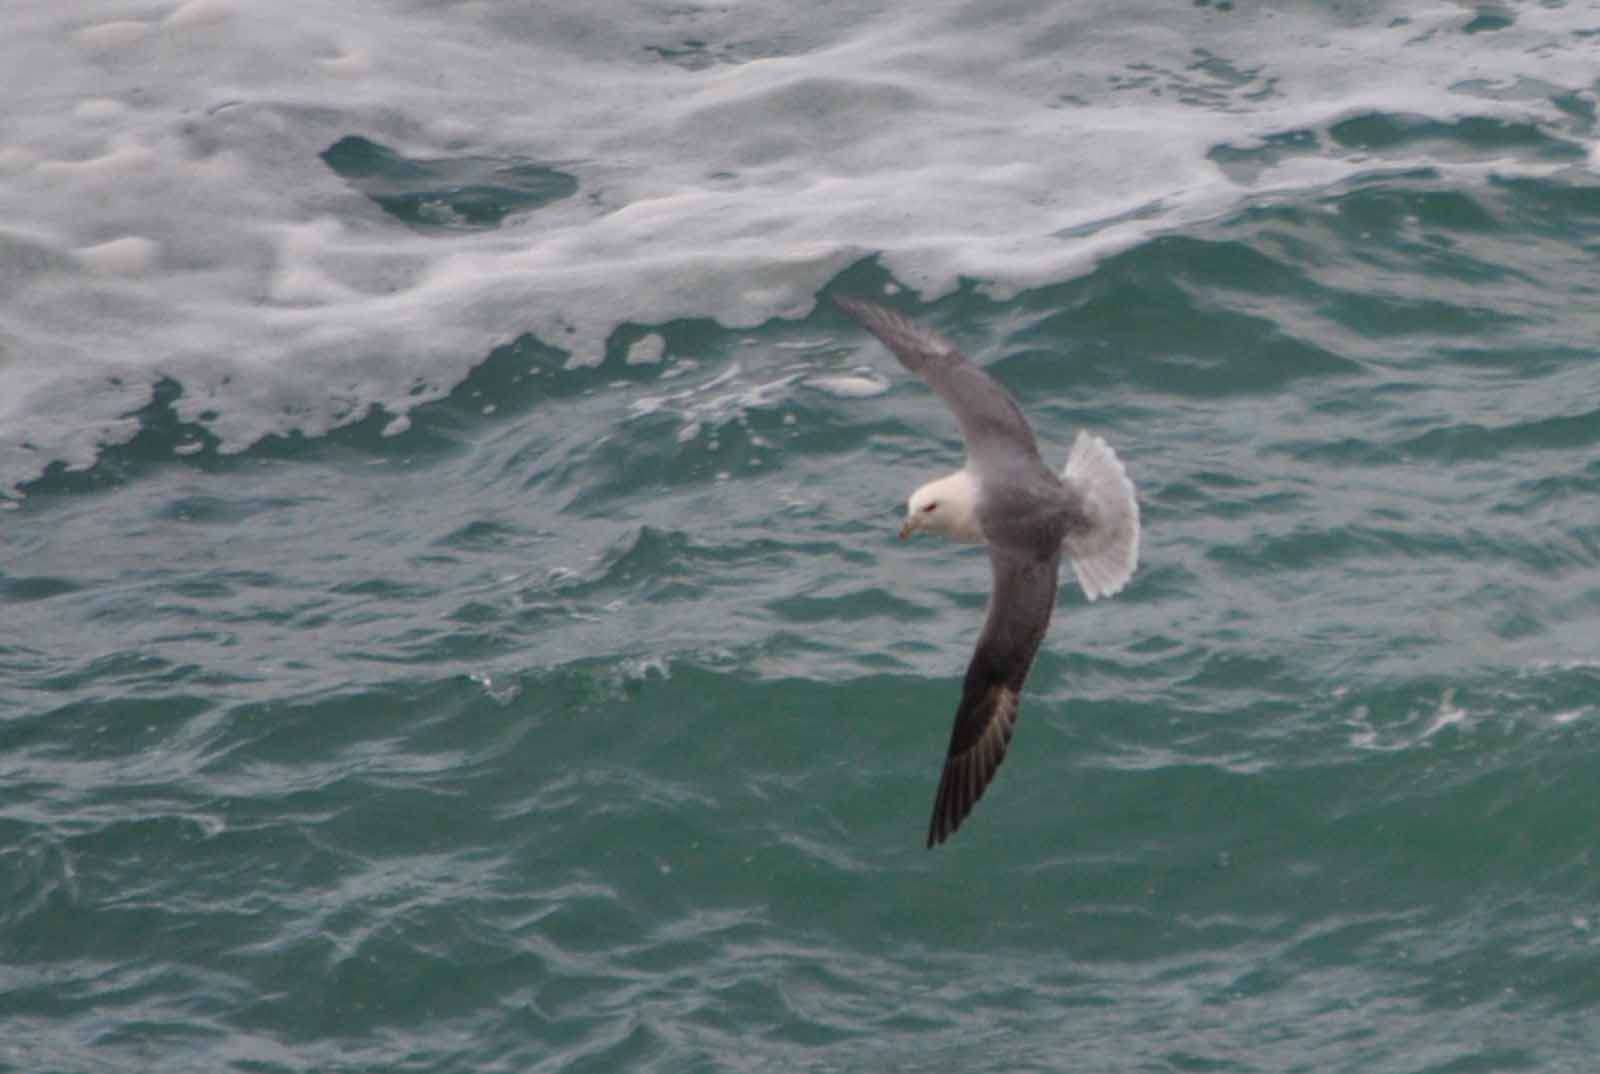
point(991, 423)
point(1019, 614)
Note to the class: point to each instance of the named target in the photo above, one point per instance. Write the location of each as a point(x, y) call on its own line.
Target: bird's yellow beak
point(905, 529)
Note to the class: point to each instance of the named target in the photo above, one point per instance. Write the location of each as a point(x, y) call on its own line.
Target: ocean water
point(450, 611)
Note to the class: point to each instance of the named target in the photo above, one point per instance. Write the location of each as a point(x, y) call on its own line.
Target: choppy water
point(450, 615)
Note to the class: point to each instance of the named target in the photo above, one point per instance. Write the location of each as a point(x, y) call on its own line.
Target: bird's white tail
point(1104, 554)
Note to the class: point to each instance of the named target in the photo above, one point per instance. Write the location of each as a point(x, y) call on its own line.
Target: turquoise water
point(373, 697)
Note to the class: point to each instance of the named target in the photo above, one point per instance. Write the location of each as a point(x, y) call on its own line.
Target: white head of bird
point(948, 506)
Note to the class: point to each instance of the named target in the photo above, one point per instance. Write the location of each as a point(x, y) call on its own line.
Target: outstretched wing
point(1019, 614)
point(996, 433)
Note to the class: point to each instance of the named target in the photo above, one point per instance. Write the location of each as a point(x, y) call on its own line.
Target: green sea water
point(592, 721)
point(586, 716)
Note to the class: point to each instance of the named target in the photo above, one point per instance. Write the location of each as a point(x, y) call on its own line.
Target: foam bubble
point(849, 385)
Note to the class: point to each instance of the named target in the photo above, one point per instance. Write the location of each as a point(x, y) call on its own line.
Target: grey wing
point(1019, 614)
point(991, 422)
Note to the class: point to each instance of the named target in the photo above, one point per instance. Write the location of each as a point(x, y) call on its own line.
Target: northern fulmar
point(1007, 498)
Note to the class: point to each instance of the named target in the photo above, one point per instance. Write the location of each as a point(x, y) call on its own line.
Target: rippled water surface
point(450, 610)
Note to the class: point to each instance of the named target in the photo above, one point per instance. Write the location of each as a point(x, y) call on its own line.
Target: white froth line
point(15, 159)
point(131, 255)
point(112, 35)
point(350, 63)
point(849, 385)
point(198, 13)
point(1446, 715)
point(652, 403)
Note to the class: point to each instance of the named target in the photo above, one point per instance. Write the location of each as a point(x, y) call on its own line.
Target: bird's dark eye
point(930, 507)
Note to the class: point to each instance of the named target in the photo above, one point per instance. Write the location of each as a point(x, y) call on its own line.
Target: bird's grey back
point(1030, 515)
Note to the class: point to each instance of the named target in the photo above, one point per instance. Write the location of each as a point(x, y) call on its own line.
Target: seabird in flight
point(1007, 498)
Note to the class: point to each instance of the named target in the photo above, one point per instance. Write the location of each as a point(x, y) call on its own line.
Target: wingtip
point(961, 784)
point(946, 821)
point(972, 762)
point(939, 834)
point(946, 817)
point(860, 310)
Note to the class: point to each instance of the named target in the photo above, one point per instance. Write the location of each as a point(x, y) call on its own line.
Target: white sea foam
point(199, 14)
point(849, 385)
point(130, 255)
point(115, 34)
point(727, 398)
point(166, 212)
point(646, 350)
